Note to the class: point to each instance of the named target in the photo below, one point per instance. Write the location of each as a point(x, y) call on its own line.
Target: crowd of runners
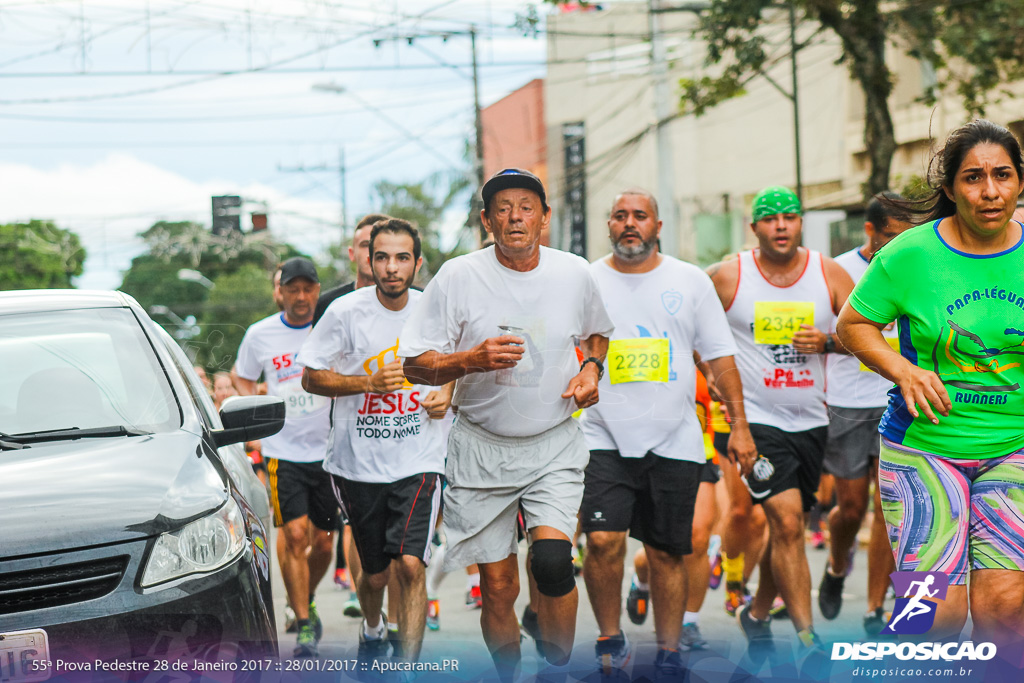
point(527, 395)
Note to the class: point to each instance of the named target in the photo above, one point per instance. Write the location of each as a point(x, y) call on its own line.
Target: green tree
point(974, 47)
point(240, 267)
point(39, 255)
point(424, 205)
point(236, 301)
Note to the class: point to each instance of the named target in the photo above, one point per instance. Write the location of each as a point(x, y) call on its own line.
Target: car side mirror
point(247, 418)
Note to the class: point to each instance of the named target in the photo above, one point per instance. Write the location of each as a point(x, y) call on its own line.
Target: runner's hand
point(923, 390)
point(741, 449)
point(583, 387)
point(809, 339)
point(436, 403)
point(497, 353)
point(388, 378)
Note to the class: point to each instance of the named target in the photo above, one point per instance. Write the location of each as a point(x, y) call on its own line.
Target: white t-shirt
point(660, 318)
point(375, 438)
point(474, 297)
point(850, 384)
point(269, 349)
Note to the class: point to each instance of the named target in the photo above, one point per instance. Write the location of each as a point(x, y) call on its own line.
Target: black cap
point(298, 267)
point(509, 178)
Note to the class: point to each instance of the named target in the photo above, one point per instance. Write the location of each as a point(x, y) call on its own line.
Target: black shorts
point(651, 497)
point(721, 443)
point(710, 472)
point(389, 520)
point(787, 461)
point(298, 489)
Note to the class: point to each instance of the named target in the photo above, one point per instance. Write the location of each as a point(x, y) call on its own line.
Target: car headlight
point(201, 546)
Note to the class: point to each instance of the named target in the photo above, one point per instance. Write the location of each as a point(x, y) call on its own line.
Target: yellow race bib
point(775, 322)
point(638, 360)
point(894, 342)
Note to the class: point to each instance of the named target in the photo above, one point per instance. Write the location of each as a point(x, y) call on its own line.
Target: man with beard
point(646, 444)
point(386, 455)
point(300, 490)
point(778, 299)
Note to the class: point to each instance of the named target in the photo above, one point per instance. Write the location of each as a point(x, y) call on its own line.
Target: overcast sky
point(118, 113)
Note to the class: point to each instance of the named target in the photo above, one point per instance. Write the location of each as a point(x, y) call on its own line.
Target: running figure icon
point(914, 606)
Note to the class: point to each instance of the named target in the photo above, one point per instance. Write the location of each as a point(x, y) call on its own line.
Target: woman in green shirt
point(951, 471)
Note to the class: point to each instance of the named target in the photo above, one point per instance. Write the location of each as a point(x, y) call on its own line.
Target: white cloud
point(110, 202)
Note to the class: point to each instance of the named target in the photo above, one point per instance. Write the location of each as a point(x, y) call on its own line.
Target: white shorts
point(491, 477)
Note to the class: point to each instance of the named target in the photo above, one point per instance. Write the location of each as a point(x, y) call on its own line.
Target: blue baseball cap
point(512, 178)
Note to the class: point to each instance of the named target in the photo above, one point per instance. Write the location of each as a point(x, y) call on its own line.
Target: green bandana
point(774, 200)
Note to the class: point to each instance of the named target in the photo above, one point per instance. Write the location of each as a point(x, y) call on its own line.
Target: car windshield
point(83, 369)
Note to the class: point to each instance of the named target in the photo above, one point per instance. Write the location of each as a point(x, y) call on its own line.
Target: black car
point(130, 527)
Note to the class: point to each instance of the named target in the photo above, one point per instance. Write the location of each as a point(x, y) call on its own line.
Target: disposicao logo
point(914, 614)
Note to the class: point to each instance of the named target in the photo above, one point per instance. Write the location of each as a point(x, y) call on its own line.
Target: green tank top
point(961, 316)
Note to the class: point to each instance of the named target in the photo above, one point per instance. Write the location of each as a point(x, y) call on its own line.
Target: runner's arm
point(436, 368)
point(244, 387)
point(437, 402)
point(329, 383)
point(741, 448)
point(921, 389)
point(583, 387)
point(809, 339)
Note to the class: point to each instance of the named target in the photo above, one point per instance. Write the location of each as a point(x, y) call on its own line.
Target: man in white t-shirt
point(857, 398)
point(386, 454)
point(300, 491)
point(646, 444)
point(503, 322)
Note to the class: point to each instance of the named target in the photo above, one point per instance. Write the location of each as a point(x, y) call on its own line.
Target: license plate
point(24, 656)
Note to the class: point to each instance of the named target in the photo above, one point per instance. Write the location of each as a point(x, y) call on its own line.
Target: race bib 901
point(775, 322)
point(638, 360)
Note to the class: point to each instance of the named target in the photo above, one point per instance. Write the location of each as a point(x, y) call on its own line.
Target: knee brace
point(551, 565)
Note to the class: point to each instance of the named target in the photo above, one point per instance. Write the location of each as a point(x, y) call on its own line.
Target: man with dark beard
point(386, 452)
point(646, 444)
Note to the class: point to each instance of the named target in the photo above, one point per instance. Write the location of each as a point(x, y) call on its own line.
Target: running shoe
point(759, 633)
point(779, 609)
point(351, 607)
point(342, 578)
point(668, 666)
point(636, 603)
point(372, 650)
point(613, 653)
point(315, 621)
point(830, 594)
point(474, 599)
point(396, 642)
point(290, 625)
point(434, 614)
point(715, 578)
point(812, 660)
point(875, 621)
point(735, 596)
point(817, 540)
point(305, 643)
point(691, 638)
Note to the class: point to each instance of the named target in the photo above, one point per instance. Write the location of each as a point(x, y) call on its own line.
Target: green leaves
point(39, 255)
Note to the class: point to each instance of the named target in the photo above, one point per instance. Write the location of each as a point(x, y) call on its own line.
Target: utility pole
point(478, 162)
point(796, 101)
point(474, 211)
point(325, 168)
point(663, 137)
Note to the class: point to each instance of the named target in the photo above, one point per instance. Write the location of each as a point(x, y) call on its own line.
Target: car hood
point(72, 494)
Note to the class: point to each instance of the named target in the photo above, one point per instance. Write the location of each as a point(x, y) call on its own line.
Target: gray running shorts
point(490, 477)
point(852, 441)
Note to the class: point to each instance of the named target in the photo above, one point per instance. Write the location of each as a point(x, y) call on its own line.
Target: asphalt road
point(459, 639)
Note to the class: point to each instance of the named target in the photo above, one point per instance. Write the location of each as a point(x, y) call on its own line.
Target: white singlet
point(850, 383)
point(782, 387)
